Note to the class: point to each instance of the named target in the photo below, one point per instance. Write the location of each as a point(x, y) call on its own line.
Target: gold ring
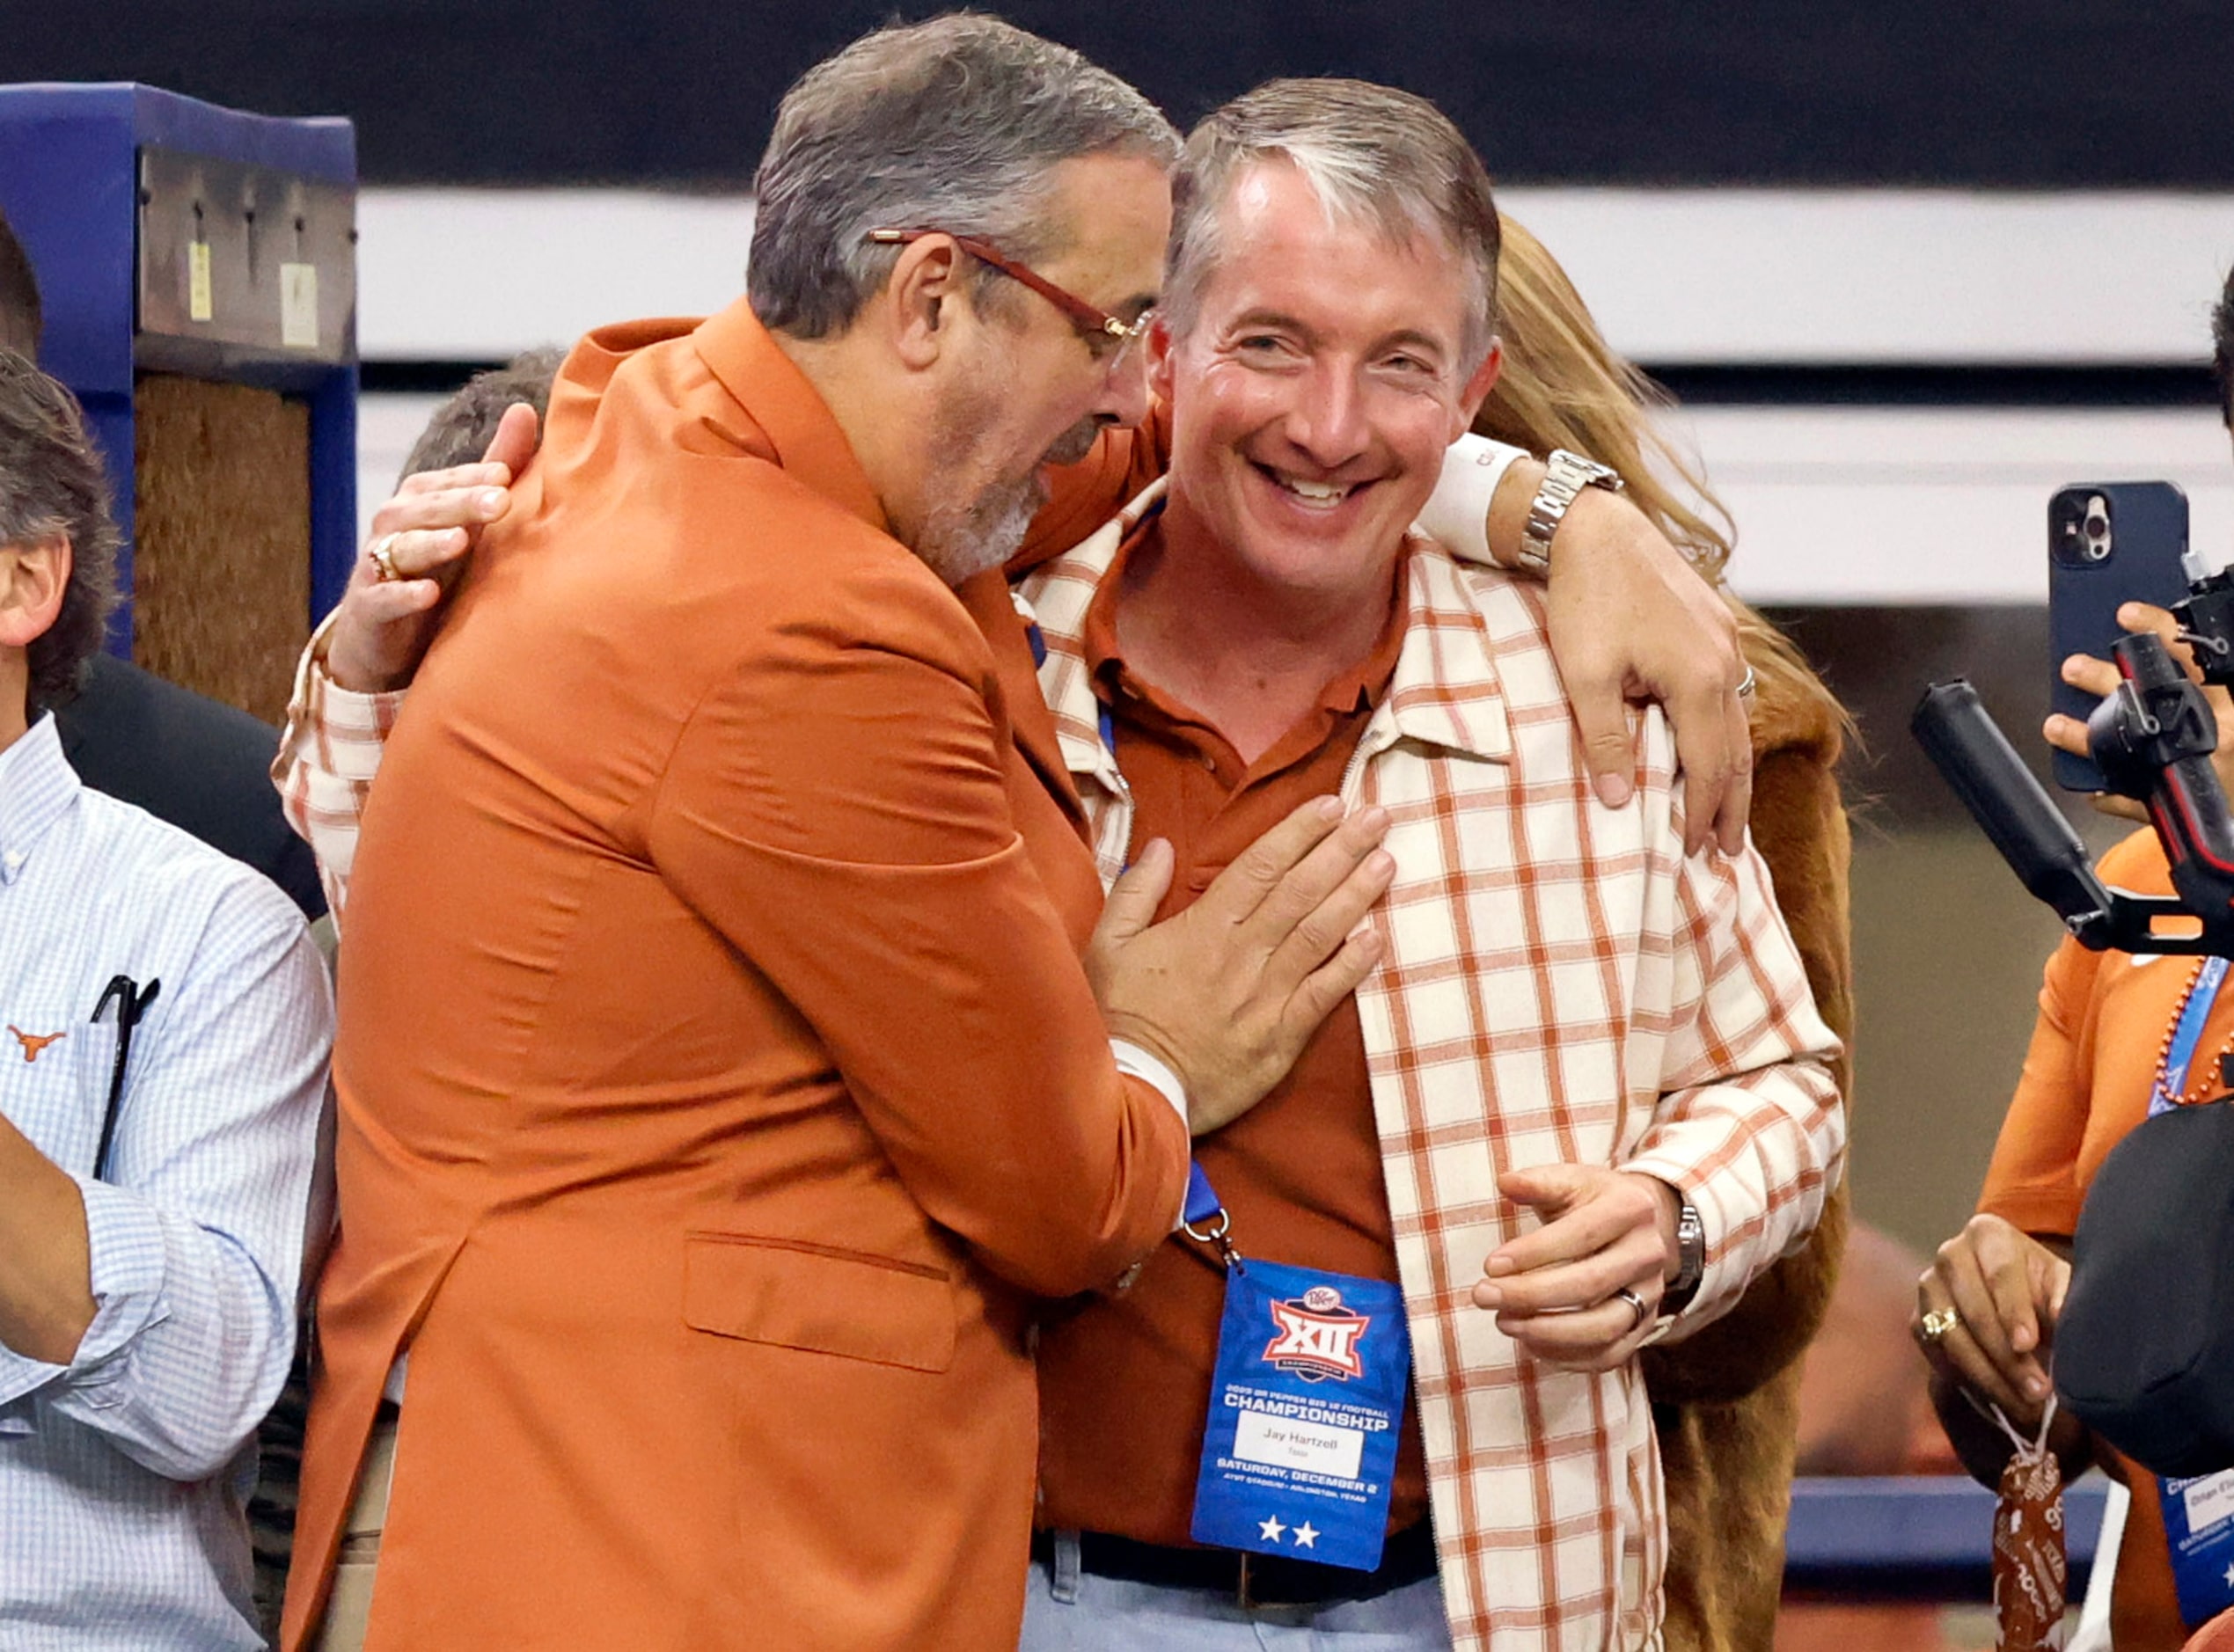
point(381, 552)
point(1636, 1306)
point(1935, 1324)
point(1746, 685)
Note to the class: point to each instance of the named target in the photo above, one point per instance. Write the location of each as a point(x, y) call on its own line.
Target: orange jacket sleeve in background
point(2087, 1077)
point(2032, 1182)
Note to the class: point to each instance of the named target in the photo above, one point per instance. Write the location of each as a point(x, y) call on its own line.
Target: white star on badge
point(2230, 1572)
point(1307, 1537)
point(1272, 1528)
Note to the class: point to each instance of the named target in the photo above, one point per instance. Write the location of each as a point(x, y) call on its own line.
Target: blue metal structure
point(73, 185)
point(1922, 1536)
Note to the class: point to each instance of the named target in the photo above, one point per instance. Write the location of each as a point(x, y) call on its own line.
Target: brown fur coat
point(1726, 1401)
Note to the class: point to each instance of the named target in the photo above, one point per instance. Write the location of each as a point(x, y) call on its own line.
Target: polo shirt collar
point(1446, 691)
point(744, 356)
point(37, 788)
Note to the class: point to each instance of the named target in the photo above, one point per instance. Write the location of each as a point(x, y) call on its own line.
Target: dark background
point(2044, 94)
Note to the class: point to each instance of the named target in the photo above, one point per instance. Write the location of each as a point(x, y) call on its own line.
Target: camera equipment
point(2144, 1346)
point(2153, 739)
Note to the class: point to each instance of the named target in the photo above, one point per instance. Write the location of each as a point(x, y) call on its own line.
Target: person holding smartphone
point(1987, 1308)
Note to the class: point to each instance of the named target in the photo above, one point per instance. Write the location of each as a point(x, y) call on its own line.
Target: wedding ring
point(1938, 1323)
point(381, 553)
point(1745, 686)
point(1637, 1305)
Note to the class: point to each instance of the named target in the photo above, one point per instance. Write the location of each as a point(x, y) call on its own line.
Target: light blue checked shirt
point(124, 1474)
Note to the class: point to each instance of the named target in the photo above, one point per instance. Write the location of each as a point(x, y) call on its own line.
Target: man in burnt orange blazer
point(718, 1078)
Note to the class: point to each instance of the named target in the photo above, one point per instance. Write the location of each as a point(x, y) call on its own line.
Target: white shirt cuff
point(1457, 517)
point(1136, 1063)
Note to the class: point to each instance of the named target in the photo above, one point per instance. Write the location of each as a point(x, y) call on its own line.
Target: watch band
point(1690, 1259)
point(1565, 476)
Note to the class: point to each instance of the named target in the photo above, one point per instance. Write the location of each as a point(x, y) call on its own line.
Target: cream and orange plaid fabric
point(1560, 984)
point(328, 754)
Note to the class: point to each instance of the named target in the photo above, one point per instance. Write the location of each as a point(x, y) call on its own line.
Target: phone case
point(2090, 576)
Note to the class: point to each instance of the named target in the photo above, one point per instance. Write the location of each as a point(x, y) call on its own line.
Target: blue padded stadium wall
point(197, 271)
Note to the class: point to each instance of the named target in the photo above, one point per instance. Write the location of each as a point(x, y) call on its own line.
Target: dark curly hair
point(51, 481)
point(2223, 349)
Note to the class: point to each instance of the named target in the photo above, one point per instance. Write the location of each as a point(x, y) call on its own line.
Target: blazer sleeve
point(836, 806)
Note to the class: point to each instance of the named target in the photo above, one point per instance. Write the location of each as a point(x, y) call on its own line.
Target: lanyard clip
point(1216, 1236)
point(1205, 1220)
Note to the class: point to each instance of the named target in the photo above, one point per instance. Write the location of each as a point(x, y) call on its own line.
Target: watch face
point(1691, 1246)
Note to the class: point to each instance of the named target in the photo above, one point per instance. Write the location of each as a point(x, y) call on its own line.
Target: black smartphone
point(2108, 544)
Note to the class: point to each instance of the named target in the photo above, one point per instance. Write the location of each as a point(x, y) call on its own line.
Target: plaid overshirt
point(1559, 983)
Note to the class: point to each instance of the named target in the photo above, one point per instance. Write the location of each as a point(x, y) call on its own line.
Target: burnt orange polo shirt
point(1124, 1380)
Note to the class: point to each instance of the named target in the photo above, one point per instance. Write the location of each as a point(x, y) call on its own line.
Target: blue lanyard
point(2172, 1079)
point(1201, 1201)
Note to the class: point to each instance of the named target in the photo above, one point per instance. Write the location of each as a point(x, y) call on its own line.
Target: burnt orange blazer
point(718, 1083)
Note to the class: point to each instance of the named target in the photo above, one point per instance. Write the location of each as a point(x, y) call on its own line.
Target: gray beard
point(959, 541)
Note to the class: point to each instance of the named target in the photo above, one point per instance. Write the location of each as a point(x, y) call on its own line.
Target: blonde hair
point(1562, 386)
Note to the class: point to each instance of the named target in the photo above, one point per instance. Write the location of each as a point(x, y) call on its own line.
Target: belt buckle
point(1246, 1597)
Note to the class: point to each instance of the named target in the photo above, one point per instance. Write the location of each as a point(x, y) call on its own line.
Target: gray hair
point(459, 431)
point(1372, 155)
point(955, 125)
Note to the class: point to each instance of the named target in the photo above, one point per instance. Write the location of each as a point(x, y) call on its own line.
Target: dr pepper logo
point(1318, 1337)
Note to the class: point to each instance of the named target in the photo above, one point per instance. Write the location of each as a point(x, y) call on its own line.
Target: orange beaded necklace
point(2214, 1075)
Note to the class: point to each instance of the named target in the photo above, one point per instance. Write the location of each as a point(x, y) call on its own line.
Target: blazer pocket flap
point(825, 1300)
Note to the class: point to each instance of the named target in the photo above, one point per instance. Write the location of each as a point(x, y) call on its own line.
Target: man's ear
point(1161, 348)
point(35, 576)
point(918, 299)
point(1478, 388)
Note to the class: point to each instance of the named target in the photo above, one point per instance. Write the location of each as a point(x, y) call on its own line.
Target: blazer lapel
point(1030, 725)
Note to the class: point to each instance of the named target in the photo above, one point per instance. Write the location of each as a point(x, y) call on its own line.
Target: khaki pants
point(348, 1607)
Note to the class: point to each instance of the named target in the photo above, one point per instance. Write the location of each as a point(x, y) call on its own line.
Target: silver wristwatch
point(1564, 475)
point(1690, 1259)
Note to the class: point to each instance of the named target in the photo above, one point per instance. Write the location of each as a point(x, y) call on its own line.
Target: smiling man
point(1582, 1101)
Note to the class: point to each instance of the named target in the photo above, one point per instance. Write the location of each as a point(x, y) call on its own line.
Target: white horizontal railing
point(1676, 276)
point(1834, 505)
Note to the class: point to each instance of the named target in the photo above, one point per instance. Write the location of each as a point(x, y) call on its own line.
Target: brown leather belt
point(1254, 1580)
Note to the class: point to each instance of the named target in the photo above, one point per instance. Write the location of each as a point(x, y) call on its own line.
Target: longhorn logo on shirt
point(1318, 1337)
point(35, 1043)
